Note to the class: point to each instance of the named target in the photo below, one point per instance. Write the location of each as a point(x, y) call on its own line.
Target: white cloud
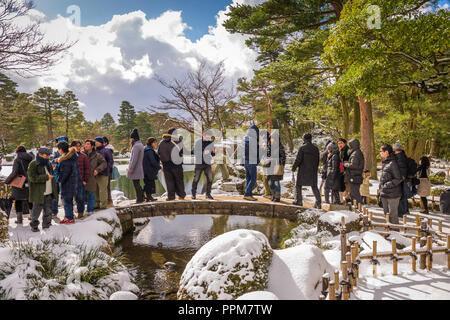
point(117, 60)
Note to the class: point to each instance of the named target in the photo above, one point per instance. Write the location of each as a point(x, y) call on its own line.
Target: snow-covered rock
point(296, 273)
point(331, 221)
point(258, 295)
point(228, 266)
point(123, 295)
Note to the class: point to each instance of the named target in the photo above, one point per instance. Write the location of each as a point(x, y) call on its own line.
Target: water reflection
point(176, 239)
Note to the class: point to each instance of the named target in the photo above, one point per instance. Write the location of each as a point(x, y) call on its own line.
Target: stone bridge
point(126, 214)
point(220, 206)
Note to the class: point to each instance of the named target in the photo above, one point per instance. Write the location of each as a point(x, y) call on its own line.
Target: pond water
point(173, 241)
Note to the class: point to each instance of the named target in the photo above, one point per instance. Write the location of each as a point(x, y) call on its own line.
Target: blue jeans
point(68, 208)
point(275, 184)
point(250, 178)
point(80, 198)
point(90, 201)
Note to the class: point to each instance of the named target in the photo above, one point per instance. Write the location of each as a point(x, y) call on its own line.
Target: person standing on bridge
point(172, 145)
point(101, 178)
point(151, 165)
point(354, 168)
point(135, 168)
point(203, 152)
point(277, 158)
point(110, 148)
point(307, 162)
point(251, 160)
point(97, 164)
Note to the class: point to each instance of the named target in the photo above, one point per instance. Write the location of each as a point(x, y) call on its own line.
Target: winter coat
point(38, 178)
point(334, 175)
point(355, 166)
point(83, 165)
point(391, 179)
point(96, 162)
point(307, 161)
point(324, 161)
point(151, 164)
point(251, 146)
point(201, 157)
point(364, 190)
point(108, 155)
point(20, 166)
point(69, 174)
point(402, 164)
point(137, 157)
point(165, 149)
point(276, 171)
point(424, 188)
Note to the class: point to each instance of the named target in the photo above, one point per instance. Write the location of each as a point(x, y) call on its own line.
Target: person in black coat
point(334, 175)
point(307, 161)
point(68, 178)
point(20, 166)
point(390, 183)
point(344, 155)
point(354, 168)
point(203, 152)
point(172, 161)
point(324, 161)
point(151, 165)
point(401, 157)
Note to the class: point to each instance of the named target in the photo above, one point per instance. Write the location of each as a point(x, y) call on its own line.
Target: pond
point(159, 252)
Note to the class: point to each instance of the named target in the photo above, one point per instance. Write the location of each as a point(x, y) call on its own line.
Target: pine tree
point(127, 122)
point(49, 102)
point(108, 123)
point(70, 110)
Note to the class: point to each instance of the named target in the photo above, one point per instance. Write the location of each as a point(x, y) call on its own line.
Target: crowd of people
point(81, 173)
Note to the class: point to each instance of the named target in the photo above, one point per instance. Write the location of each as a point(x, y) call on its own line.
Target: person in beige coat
point(97, 163)
point(424, 188)
point(364, 190)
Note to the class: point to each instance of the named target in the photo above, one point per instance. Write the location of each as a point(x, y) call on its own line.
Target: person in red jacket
point(85, 172)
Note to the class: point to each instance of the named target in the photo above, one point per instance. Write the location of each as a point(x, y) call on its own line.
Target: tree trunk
point(345, 118)
point(435, 148)
point(290, 141)
point(367, 136)
point(356, 118)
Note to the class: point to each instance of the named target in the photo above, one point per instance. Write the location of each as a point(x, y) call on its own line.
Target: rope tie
point(413, 254)
point(346, 283)
point(395, 257)
point(355, 265)
point(429, 253)
point(374, 261)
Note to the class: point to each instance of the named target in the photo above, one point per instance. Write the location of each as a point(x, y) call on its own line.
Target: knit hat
point(397, 147)
point(59, 139)
point(100, 140)
point(307, 137)
point(44, 150)
point(135, 135)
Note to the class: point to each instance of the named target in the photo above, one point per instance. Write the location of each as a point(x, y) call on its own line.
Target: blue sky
point(198, 14)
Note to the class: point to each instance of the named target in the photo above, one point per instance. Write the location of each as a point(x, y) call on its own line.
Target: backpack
point(411, 166)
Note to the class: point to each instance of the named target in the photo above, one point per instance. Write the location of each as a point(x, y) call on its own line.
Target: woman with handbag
point(277, 161)
point(18, 179)
point(424, 188)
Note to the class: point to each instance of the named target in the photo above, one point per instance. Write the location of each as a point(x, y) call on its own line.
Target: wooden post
point(365, 223)
point(345, 289)
point(429, 252)
point(394, 260)
point(343, 239)
point(370, 218)
point(354, 268)
point(359, 207)
point(374, 256)
point(432, 202)
point(430, 223)
point(440, 225)
point(336, 278)
point(413, 258)
point(332, 291)
point(387, 221)
point(404, 224)
point(418, 225)
point(448, 251)
point(423, 242)
point(348, 258)
point(325, 283)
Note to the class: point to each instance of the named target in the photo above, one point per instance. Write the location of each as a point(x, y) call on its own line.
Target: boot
point(209, 196)
point(298, 196)
point(19, 219)
point(194, 197)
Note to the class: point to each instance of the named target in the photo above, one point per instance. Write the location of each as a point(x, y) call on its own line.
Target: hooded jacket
point(391, 178)
point(20, 166)
point(151, 164)
point(333, 173)
point(69, 174)
point(307, 161)
point(38, 179)
point(165, 151)
point(355, 166)
point(108, 155)
point(96, 162)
